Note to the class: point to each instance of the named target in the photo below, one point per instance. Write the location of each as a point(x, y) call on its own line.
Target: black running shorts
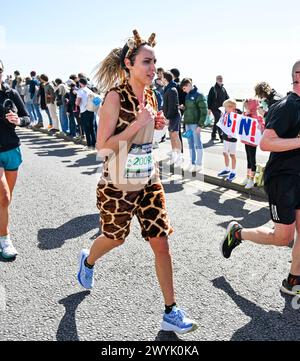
point(284, 198)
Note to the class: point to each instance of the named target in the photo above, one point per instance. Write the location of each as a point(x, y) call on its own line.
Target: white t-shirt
point(83, 93)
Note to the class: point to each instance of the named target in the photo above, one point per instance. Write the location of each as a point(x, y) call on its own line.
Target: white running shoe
point(187, 167)
point(179, 162)
point(173, 159)
point(245, 181)
point(195, 168)
point(7, 249)
point(250, 184)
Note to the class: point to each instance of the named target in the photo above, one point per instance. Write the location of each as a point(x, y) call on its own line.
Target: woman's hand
point(13, 118)
point(198, 130)
point(144, 116)
point(160, 121)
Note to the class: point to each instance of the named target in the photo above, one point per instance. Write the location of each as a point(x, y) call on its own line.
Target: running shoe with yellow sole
point(230, 241)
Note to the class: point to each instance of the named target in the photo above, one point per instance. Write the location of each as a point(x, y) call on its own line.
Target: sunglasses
point(1, 70)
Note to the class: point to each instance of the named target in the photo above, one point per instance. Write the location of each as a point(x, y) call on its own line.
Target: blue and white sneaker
point(176, 321)
point(231, 177)
point(224, 173)
point(85, 275)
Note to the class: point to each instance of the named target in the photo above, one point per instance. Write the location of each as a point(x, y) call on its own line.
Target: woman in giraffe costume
point(130, 183)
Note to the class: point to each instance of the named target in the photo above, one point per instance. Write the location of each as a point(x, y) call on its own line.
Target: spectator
point(60, 92)
point(34, 85)
point(43, 104)
point(28, 101)
point(87, 117)
point(20, 87)
point(8, 80)
point(172, 114)
point(14, 82)
point(75, 79)
point(216, 97)
point(268, 95)
point(181, 95)
point(229, 145)
point(158, 82)
point(72, 109)
point(50, 102)
point(195, 112)
point(251, 106)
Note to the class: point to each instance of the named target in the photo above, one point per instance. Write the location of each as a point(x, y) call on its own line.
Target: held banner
point(240, 126)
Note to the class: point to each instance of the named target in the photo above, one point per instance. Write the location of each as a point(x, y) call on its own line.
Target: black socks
point(293, 280)
point(87, 265)
point(169, 308)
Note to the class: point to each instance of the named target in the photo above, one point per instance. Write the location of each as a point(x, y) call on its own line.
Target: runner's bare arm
point(270, 142)
point(109, 115)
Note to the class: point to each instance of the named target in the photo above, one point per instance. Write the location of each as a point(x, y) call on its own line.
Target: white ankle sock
point(5, 238)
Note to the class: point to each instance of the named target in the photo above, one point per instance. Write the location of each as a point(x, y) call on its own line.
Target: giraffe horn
point(151, 40)
point(137, 38)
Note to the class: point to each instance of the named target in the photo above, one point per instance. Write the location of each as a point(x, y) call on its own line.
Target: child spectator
point(229, 145)
point(251, 107)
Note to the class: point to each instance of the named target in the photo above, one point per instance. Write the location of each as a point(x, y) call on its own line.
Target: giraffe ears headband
point(137, 41)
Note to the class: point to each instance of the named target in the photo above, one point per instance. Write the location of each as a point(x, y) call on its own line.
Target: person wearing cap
point(12, 113)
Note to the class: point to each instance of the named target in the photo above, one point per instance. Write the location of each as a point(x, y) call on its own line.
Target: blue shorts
point(11, 160)
point(174, 124)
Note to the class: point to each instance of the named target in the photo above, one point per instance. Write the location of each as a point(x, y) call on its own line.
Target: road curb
point(257, 192)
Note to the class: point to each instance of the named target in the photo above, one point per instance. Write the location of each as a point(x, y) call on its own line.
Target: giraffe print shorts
point(118, 207)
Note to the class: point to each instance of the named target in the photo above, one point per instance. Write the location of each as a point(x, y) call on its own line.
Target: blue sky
point(245, 41)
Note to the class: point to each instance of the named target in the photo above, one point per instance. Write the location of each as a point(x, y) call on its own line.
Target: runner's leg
point(295, 267)
point(100, 247)
point(163, 266)
point(281, 235)
point(7, 183)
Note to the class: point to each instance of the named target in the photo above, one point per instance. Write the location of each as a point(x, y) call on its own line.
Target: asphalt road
point(53, 216)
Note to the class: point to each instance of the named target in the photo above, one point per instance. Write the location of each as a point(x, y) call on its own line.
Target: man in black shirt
point(282, 184)
point(181, 94)
point(216, 97)
point(12, 114)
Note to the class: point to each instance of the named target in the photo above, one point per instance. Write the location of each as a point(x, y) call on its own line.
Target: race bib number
point(139, 161)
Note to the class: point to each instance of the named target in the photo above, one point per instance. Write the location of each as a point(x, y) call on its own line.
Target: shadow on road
point(5, 260)
point(173, 187)
point(88, 160)
point(46, 148)
point(167, 336)
point(51, 238)
point(264, 325)
point(234, 208)
point(67, 329)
